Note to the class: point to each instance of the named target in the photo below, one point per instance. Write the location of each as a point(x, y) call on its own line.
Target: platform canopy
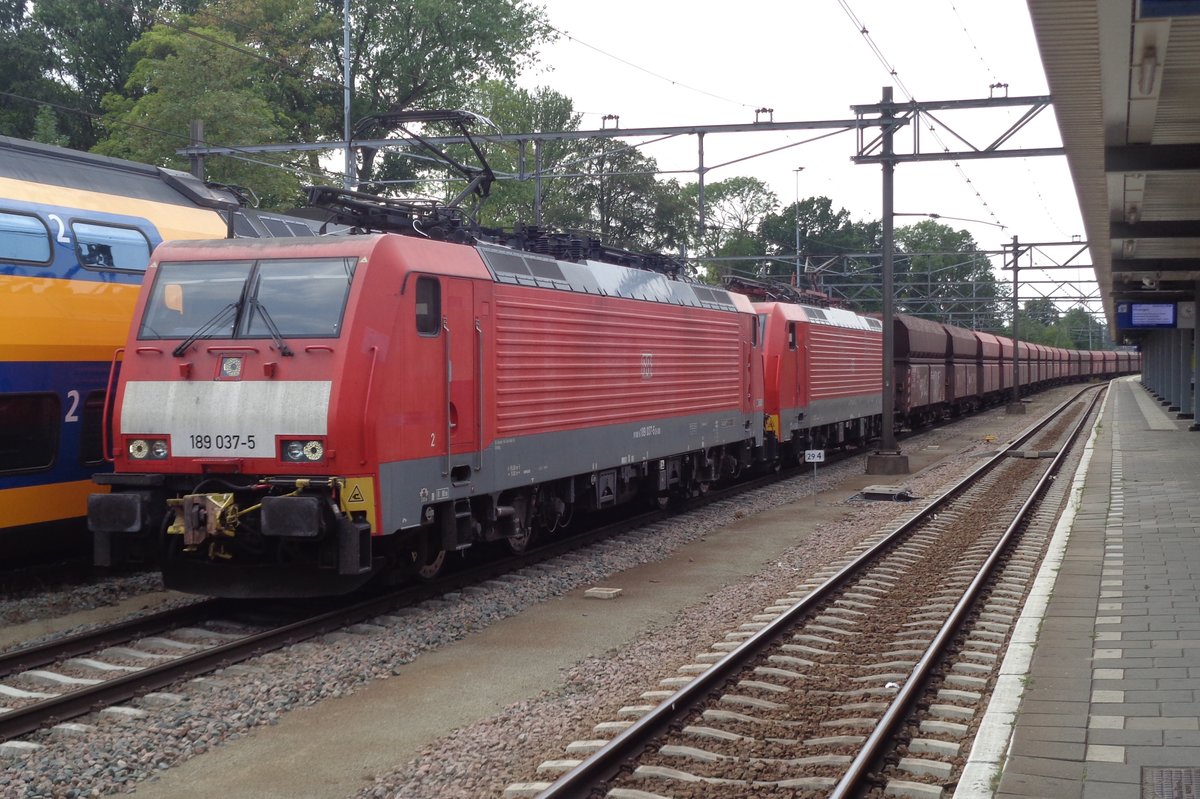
point(1125, 78)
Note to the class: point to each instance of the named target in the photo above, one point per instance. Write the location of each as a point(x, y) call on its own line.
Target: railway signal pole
point(888, 459)
point(1015, 407)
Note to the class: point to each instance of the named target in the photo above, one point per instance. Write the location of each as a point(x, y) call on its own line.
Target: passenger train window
point(91, 442)
point(28, 431)
point(429, 306)
point(24, 238)
point(109, 247)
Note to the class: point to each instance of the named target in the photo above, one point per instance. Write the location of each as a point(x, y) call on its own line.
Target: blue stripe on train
point(71, 382)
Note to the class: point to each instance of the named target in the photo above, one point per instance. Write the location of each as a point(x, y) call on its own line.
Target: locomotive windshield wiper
point(284, 349)
point(218, 318)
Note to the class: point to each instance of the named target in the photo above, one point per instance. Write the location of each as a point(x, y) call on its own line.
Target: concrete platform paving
point(1103, 700)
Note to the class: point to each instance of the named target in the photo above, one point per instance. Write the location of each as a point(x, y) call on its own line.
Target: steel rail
point(603, 764)
point(852, 782)
point(21, 721)
point(31, 657)
point(78, 702)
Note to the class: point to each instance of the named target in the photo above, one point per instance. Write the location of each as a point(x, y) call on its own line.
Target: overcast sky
point(671, 62)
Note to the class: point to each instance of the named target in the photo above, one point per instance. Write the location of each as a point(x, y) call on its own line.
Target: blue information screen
point(1141, 315)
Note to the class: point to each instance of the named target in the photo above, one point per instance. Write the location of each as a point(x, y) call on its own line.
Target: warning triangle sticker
point(356, 495)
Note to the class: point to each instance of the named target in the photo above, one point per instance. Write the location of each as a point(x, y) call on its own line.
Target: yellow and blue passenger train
point(76, 233)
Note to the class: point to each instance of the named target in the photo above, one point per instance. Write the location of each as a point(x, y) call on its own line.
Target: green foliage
point(512, 201)
point(1042, 311)
point(86, 53)
point(45, 128)
point(822, 231)
point(1039, 322)
point(421, 54)
point(940, 274)
point(25, 63)
point(179, 78)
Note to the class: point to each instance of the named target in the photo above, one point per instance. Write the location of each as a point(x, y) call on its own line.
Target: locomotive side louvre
point(568, 383)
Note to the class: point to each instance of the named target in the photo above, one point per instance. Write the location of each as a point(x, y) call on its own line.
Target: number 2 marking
point(72, 416)
point(432, 440)
point(62, 237)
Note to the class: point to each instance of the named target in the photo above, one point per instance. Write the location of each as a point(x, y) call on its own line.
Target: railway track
point(52, 683)
point(866, 678)
point(48, 684)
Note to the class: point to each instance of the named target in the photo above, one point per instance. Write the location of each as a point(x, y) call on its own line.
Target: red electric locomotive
point(824, 377)
point(294, 416)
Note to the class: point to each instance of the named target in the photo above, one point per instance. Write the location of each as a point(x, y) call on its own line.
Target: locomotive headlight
point(154, 449)
point(311, 451)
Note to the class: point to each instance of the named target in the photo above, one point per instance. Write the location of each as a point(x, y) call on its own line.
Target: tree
point(45, 128)
point(298, 52)
point(940, 274)
point(26, 63)
point(836, 255)
point(512, 198)
point(1042, 310)
point(416, 54)
point(628, 205)
point(1083, 330)
point(179, 78)
point(734, 210)
point(822, 231)
point(87, 50)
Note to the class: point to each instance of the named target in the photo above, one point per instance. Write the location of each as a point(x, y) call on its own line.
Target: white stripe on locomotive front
point(233, 409)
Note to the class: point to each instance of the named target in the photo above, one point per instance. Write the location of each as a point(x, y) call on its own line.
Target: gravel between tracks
point(479, 760)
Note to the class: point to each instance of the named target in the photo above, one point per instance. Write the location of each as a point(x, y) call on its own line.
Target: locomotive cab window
point(109, 247)
point(301, 298)
point(791, 335)
point(28, 431)
point(429, 306)
point(24, 238)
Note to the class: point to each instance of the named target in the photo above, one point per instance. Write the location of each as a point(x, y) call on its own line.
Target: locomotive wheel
point(428, 558)
point(523, 537)
point(520, 542)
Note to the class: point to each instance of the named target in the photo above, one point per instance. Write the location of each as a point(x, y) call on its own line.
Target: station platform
point(1099, 696)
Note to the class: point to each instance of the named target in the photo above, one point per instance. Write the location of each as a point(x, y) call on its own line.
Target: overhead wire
point(997, 83)
point(891, 69)
point(571, 37)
